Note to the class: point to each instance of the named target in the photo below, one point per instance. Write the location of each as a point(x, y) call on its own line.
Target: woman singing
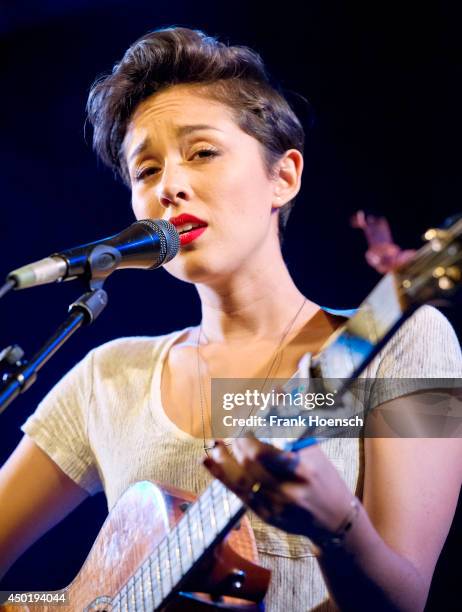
point(203, 140)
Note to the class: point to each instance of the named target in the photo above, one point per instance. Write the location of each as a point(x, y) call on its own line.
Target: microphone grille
point(168, 238)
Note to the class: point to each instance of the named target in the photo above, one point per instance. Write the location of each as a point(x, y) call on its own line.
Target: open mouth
point(188, 236)
point(188, 227)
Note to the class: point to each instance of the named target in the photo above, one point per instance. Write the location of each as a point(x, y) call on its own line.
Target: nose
point(173, 188)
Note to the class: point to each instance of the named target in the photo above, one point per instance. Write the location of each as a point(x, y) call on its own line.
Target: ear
point(287, 177)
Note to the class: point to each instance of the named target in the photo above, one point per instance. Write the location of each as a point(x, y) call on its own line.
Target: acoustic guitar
point(159, 549)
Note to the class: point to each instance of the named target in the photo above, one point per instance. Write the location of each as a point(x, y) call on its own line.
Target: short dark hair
point(233, 75)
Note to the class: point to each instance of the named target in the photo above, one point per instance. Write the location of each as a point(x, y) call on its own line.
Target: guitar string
point(208, 499)
point(158, 566)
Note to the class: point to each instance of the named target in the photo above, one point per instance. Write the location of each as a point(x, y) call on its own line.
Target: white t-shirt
point(105, 427)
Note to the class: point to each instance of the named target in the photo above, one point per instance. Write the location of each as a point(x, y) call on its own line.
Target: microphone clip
point(102, 262)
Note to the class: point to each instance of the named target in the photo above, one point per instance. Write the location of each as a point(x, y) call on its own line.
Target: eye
point(143, 173)
point(204, 153)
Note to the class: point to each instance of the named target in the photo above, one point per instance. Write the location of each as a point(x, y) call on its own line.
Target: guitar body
point(138, 522)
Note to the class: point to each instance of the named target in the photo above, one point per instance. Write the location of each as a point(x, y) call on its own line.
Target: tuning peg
point(435, 234)
point(447, 277)
point(436, 237)
point(454, 273)
point(445, 283)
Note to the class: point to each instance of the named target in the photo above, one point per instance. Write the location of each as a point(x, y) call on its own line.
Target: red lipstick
point(189, 227)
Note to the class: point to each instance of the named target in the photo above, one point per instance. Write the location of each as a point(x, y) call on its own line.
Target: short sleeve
point(59, 426)
point(425, 348)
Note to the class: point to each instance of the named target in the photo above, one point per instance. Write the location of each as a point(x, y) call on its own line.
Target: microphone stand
point(83, 311)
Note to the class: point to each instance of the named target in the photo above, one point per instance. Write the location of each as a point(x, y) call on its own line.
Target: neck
point(257, 303)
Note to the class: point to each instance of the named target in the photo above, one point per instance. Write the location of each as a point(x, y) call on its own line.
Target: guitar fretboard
point(205, 521)
point(349, 350)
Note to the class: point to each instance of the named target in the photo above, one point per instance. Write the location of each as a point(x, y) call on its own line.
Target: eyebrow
point(183, 130)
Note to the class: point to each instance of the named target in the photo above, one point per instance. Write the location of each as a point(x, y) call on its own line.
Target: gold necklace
point(277, 354)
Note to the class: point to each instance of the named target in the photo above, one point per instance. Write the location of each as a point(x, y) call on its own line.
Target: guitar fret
point(214, 506)
point(146, 585)
point(235, 504)
point(185, 545)
point(190, 536)
point(138, 584)
point(123, 600)
point(208, 517)
point(131, 595)
point(226, 505)
point(195, 529)
point(222, 511)
point(115, 603)
point(155, 586)
point(160, 573)
point(174, 555)
point(165, 567)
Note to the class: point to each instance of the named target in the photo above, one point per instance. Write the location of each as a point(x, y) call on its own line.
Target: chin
point(195, 270)
point(188, 271)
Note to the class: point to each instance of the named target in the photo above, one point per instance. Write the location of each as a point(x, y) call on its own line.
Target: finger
point(224, 466)
point(270, 467)
point(247, 448)
point(294, 493)
point(245, 482)
point(282, 465)
point(249, 492)
point(248, 452)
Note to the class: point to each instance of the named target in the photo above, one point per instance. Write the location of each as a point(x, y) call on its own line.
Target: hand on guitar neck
point(299, 492)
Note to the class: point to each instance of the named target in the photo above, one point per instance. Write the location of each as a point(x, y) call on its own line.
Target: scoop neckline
point(157, 407)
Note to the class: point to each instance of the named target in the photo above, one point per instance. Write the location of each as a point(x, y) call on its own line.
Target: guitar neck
point(205, 523)
point(351, 348)
point(434, 270)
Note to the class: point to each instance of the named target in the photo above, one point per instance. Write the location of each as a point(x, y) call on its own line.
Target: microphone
point(146, 244)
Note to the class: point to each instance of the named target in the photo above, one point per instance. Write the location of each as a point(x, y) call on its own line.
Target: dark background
point(383, 81)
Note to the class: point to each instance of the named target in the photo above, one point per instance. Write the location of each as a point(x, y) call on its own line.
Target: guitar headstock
point(436, 269)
